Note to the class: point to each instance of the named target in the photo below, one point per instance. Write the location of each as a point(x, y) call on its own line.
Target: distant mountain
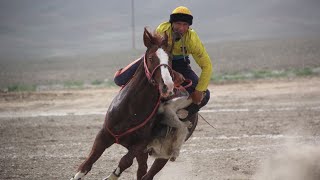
point(40, 29)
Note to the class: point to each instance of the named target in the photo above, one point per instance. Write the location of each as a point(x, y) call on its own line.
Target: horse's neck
point(137, 99)
point(139, 88)
point(140, 82)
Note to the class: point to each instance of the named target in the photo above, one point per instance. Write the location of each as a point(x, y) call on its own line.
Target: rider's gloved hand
point(197, 97)
point(178, 78)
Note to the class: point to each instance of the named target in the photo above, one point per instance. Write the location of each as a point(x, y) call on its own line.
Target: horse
point(132, 115)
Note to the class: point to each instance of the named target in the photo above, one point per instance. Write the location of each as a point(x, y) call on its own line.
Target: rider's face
point(180, 27)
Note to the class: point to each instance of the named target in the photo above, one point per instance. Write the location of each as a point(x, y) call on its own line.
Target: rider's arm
point(202, 58)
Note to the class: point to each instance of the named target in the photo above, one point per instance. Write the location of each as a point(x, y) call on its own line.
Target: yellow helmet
point(181, 13)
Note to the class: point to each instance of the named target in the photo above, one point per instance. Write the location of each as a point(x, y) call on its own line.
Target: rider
point(185, 41)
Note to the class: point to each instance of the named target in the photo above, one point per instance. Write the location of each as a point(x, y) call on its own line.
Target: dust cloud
point(296, 162)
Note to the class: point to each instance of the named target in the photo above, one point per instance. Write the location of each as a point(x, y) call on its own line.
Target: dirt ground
point(259, 126)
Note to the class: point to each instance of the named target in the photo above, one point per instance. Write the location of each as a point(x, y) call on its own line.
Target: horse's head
point(157, 62)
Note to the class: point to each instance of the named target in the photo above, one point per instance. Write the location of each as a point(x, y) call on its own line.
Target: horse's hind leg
point(127, 160)
point(142, 165)
point(157, 165)
point(101, 142)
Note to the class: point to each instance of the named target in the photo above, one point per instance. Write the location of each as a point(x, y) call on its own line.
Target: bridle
point(150, 75)
point(155, 109)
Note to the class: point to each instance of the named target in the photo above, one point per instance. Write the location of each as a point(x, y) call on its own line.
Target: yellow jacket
point(193, 46)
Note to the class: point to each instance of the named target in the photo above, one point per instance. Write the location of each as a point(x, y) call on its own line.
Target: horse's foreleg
point(102, 141)
point(157, 165)
point(142, 165)
point(125, 162)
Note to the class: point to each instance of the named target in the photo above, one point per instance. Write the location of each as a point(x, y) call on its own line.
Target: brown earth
point(46, 135)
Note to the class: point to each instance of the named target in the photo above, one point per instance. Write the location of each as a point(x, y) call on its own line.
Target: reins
point(118, 136)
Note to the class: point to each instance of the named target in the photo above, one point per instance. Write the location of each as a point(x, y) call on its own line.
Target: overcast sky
point(57, 28)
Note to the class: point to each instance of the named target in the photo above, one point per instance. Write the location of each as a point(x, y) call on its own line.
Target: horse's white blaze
point(167, 79)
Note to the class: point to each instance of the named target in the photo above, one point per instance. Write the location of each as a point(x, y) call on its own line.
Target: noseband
point(150, 75)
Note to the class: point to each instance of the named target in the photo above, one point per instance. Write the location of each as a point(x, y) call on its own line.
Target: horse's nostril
point(164, 89)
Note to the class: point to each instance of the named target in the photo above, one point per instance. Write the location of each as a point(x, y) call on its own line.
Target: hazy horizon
point(44, 29)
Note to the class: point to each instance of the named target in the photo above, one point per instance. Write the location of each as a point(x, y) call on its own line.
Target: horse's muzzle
point(166, 92)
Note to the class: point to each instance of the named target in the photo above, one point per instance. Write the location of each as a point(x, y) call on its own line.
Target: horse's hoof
point(78, 176)
point(111, 177)
point(172, 159)
point(182, 113)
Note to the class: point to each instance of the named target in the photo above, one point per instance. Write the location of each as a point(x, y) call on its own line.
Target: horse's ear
point(147, 38)
point(165, 40)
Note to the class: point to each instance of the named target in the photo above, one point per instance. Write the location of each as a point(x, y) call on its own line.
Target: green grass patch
point(110, 84)
point(264, 74)
point(305, 72)
point(102, 83)
point(97, 82)
point(219, 78)
point(21, 87)
point(73, 84)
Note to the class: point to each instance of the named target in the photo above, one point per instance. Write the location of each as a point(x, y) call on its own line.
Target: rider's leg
point(123, 75)
point(194, 108)
point(183, 66)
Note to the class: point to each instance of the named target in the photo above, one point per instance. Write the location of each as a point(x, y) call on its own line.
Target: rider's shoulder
point(163, 27)
point(192, 34)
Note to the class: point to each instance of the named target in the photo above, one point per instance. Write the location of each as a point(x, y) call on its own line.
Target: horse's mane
point(157, 37)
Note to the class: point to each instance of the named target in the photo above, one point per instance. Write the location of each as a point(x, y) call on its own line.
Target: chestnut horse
point(131, 116)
